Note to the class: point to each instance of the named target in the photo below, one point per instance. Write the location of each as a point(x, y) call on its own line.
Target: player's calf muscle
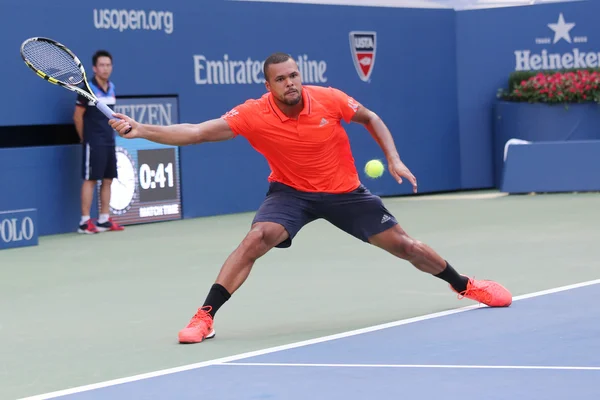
point(409, 248)
point(400, 244)
point(405, 247)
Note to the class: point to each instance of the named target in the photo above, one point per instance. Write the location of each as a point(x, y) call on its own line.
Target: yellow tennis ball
point(374, 168)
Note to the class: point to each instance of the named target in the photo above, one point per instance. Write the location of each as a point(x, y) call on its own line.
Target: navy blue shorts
point(99, 162)
point(358, 213)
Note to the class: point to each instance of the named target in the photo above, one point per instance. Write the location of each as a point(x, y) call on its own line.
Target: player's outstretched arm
point(214, 130)
point(378, 130)
point(384, 138)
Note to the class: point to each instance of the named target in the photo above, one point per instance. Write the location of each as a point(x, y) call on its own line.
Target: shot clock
point(157, 174)
point(147, 187)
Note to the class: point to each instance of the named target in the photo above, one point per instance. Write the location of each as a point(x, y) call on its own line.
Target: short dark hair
point(275, 58)
point(100, 53)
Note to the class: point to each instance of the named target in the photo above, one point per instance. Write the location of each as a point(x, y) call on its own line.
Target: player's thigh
point(359, 213)
point(94, 162)
point(287, 209)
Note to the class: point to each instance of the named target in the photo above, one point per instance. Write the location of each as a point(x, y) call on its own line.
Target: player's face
point(103, 68)
point(285, 82)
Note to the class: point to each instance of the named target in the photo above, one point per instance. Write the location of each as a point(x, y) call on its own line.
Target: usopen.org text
point(133, 20)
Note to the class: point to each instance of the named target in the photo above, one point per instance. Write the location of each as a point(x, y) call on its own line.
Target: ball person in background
point(99, 159)
point(313, 175)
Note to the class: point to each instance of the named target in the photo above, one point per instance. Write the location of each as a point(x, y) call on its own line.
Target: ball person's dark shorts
point(358, 213)
point(99, 162)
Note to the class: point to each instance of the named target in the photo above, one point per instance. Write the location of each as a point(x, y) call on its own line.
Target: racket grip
point(105, 110)
point(108, 112)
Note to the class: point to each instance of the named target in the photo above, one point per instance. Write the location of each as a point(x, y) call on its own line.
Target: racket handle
point(108, 112)
point(105, 110)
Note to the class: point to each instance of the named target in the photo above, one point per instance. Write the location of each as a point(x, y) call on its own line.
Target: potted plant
point(546, 106)
point(567, 87)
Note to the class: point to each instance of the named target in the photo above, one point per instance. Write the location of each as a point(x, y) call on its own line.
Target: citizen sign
point(18, 228)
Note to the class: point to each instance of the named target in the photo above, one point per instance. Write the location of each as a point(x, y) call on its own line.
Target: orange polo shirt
point(310, 154)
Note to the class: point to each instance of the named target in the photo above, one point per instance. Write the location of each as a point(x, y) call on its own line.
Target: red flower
point(555, 87)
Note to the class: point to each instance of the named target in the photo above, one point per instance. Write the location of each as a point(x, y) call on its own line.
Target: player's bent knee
point(260, 239)
point(254, 242)
point(409, 248)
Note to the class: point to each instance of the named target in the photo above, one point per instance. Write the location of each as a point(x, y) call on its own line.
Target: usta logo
point(363, 46)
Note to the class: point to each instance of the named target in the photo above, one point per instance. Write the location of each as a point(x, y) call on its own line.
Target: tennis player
point(313, 175)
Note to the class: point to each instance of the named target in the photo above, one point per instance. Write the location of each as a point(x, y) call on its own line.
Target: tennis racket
point(55, 63)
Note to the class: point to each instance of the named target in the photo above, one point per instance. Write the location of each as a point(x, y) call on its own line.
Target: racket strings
point(53, 61)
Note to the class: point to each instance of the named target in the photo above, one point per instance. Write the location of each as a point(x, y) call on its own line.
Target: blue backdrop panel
point(406, 88)
point(182, 48)
point(541, 123)
point(434, 80)
point(552, 167)
point(47, 179)
point(493, 43)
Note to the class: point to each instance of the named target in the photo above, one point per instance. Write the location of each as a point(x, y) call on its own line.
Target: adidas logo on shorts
point(385, 218)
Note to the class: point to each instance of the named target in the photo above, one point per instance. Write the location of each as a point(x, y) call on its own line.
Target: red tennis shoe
point(199, 328)
point(490, 293)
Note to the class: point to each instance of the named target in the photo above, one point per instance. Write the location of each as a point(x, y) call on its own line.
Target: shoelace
point(481, 293)
point(201, 315)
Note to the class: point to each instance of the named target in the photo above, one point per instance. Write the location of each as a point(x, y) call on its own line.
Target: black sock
point(217, 296)
point(458, 282)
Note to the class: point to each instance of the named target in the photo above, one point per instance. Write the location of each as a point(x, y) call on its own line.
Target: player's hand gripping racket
point(56, 64)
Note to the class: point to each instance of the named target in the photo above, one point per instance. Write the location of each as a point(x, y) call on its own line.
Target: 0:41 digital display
point(157, 175)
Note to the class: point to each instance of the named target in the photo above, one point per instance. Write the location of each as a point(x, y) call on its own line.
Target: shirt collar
point(305, 110)
point(97, 84)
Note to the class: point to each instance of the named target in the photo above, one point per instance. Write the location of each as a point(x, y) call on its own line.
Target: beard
point(291, 102)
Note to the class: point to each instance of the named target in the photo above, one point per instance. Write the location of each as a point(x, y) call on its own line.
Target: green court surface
point(78, 309)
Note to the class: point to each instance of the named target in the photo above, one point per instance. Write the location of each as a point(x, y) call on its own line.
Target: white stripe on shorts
point(87, 161)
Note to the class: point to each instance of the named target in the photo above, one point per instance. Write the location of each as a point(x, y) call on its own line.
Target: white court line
point(242, 364)
point(163, 372)
point(453, 196)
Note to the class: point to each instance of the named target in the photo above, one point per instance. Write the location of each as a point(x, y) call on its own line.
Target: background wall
point(434, 81)
point(494, 42)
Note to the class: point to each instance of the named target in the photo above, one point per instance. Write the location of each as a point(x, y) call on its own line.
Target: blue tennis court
point(545, 346)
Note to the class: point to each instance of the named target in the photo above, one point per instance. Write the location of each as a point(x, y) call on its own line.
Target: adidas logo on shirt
point(323, 122)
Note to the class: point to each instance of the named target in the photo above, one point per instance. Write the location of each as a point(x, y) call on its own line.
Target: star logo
point(561, 29)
